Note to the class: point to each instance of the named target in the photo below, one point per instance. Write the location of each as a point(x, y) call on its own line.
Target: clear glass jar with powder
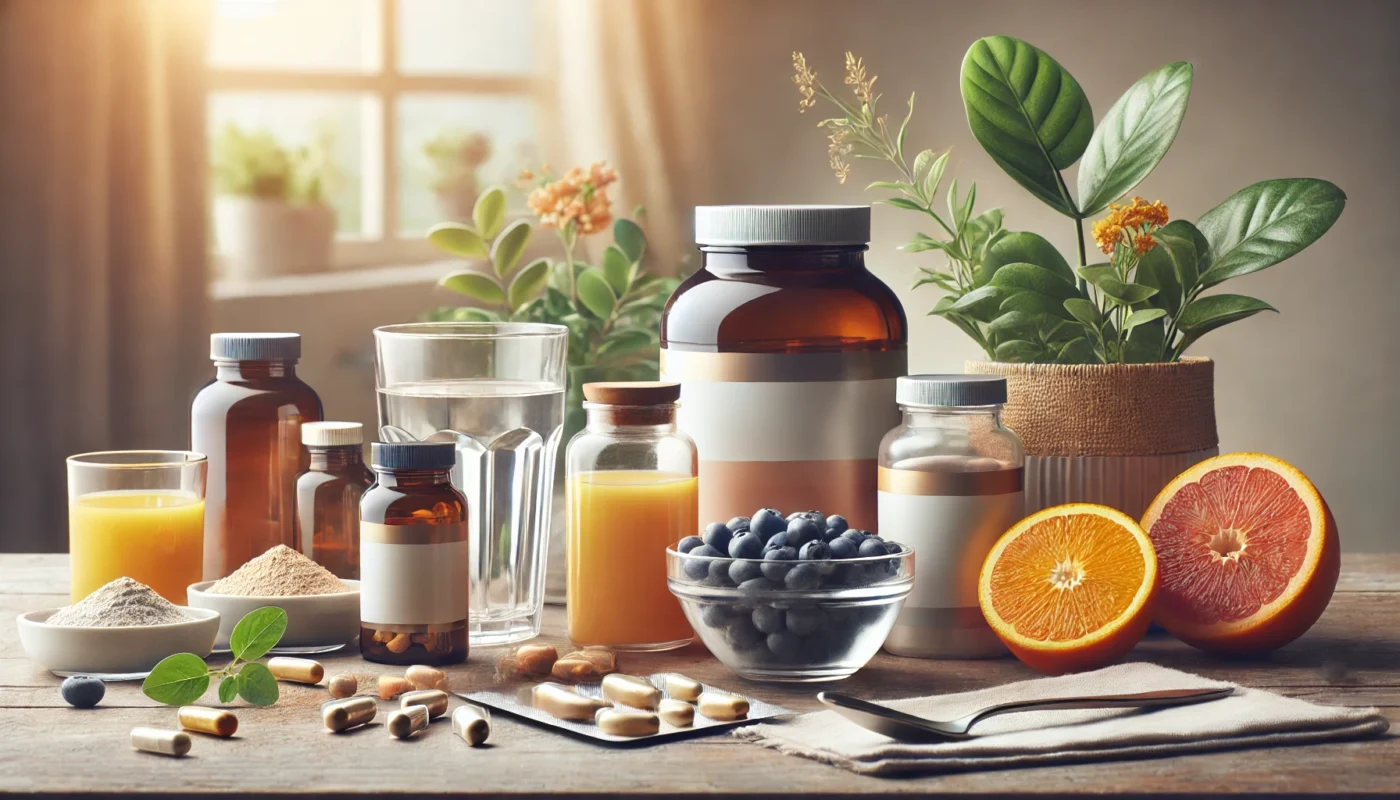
point(950, 484)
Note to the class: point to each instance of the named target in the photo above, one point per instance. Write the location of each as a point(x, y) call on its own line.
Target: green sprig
point(183, 678)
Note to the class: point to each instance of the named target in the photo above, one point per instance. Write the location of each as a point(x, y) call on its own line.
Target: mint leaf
point(228, 689)
point(257, 685)
point(177, 680)
point(258, 632)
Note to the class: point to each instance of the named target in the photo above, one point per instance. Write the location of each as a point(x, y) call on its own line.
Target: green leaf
point(935, 175)
point(1026, 248)
point(1145, 343)
point(980, 304)
point(528, 283)
point(1083, 310)
point(1018, 351)
point(258, 632)
point(1105, 277)
point(510, 246)
point(457, 239)
point(1180, 229)
point(1133, 136)
point(177, 680)
point(617, 268)
point(898, 186)
point(1016, 325)
point(474, 285)
point(489, 214)
point(1029, 114)
point(595, 293)
point(257, 685)
point(228, 689)
point(1029, 277)
point(901, 202)
point(1261, 225)
point(1142, 317)
point(1077, 351)
point(1163, 268)
point(964, 212)
point(922, 242)
point(469, 314)
point(1205, 314)
point(1035, 303)
point(624, 343)
point(630, 239)
point(922, 162)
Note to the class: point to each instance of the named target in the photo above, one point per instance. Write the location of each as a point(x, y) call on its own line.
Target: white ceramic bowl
point(116, 654)
point(316, 623)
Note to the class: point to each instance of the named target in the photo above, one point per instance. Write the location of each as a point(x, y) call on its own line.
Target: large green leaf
point(1161, 267)
point(1145, 342)
point(980, 303)
point(528, 283)
point(1035, 303)
point(1181, 229)
point(257, 684)
point(1029, 114)
point(489, 214)
point(1018, 351)
point(1026, 248)
point(617, 268)
point(1029, 277)
point(177, 680)
point(457, 239)
point(595, 293)
point(1105, 277)
point(510, 246)
point(1205, 314)
point(1133, 136)
point(1077, 351)
point(474, 285)
point(1263, 224)
point(1084, 310)
point(257, 632)
point(630, 239)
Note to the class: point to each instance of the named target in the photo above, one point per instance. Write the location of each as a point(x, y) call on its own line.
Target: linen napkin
point(1248, 718)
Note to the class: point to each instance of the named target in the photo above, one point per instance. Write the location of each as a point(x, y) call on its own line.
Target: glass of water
point(495, 389)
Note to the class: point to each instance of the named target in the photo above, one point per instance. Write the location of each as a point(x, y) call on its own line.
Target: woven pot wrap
point(1109, 409)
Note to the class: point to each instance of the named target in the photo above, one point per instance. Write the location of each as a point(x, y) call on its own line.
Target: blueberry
point(745, 545)
point(777, 540)
point(742, 634)
point(82, 692)
point(697, 569)
point(841, 574)
point(717, 536)
point(837, 523)
point(705, 551)
point(803, 576)
point(719, 572)
point(830, 535)
point(740, 571)
point(759, 585)
point(855, 537)
point(689, 543)
point(873, 546)
point(715, 615)
point(769, 619)
point(785, 645)
point(841, 547)
point(814, 551)
point(804, 621)
point(801, 531)
point(737, 525)
point(767, 521)
point(773, 566)
point(894, 548)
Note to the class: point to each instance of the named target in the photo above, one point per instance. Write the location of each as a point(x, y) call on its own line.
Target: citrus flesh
point(1248, 553)
point(1069, 588)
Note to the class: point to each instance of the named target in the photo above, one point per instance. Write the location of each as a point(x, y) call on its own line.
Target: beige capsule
point(391, 686)
point(425, 677)
point(159, 740)
point(435, 700)
point(299, 670)
point(627, 722)
point(400, 643)
point(720, 706)
point(472, 723)
point(343, 685)
point(676, 712)
point(407, 721)
point(527, 661)
point(629, 690)
point(342, 715)
point(213, 721)
point(561, 701)
point(683, 688)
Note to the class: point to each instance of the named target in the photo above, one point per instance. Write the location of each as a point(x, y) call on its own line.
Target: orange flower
point(580, 197)
point(1130, 224)
point(1143, 242)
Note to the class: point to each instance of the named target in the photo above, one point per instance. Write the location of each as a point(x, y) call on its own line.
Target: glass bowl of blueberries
point(798, 598)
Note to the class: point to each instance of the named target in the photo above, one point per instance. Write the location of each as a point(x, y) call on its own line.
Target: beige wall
point(1282, 89)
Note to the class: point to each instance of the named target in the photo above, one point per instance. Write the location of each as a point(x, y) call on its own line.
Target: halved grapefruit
point(1248, 553)
point(1069, 588)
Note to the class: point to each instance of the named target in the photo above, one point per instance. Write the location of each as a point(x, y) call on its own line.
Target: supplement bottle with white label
point(786, 349)
point(414, 554)
point(951, 483)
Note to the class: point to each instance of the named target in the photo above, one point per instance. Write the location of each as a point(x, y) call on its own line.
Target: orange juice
point(620, 524)
point(155, 537)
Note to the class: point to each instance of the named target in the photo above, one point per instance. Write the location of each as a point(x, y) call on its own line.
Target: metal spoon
point(909, 728)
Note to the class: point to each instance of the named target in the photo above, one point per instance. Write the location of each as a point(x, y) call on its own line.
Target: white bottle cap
point(332, 434)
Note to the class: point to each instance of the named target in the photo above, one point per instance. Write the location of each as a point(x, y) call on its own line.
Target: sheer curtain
point(103, 273)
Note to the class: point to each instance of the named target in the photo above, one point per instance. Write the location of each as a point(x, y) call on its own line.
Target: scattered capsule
point(561, 701)
point(682, 688)
point(627, 722)
point(342, 715)
point(407, 721)
point(82, 692)
point(435, 700)
point(343, 685)
point(588, 664)
point(158, 740)
point(425, 677)
point(472, 723)
point(298, 670)
point(527, 661)
point(676, 712)
point(720, 706)
point(391, 686)
point(629, 690)
point(213, 721)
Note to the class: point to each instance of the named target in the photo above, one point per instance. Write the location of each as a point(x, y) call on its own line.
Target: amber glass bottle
point(414, 590)
point(328, 496)
point(248, 422)
point(787, 350)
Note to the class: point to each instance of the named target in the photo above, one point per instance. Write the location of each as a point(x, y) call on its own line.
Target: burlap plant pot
point(1108, 433)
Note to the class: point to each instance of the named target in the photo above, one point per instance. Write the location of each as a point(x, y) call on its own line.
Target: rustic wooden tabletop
point(1352, 657)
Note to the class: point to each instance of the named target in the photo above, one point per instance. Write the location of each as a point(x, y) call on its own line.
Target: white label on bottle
point(951, 536)
point(413, 574)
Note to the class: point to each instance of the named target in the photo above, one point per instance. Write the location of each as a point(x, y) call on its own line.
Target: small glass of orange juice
point(136, 514)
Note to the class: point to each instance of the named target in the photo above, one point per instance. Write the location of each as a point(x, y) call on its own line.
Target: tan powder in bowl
point(280, 572)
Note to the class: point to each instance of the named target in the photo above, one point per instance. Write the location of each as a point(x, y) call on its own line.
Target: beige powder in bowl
point(280, 572)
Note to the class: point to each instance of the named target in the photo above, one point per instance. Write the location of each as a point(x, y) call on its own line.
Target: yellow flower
point(837, 150)
point(1130, 224)
point(580, 197)
point(855, 77)
point(805, 80)
point(1108, 229)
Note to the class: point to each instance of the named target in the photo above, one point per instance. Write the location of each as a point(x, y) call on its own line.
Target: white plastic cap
point(332, 434)
point(742, 226)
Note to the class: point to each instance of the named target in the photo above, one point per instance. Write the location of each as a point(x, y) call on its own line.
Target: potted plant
point(1101, 391)
point(454, 157)
point(270, 211)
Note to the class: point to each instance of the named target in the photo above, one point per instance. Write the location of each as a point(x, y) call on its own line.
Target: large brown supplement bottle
point(787, 350)
point(248, 422)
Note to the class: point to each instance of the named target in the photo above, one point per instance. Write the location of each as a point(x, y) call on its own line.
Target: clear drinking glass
point(137, 514)
point(496, 390)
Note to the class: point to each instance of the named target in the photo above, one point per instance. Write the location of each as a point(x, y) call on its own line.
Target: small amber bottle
point(414, 556)
point(328, 496)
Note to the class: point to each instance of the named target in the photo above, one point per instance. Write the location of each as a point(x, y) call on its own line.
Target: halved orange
point(1070, 588)
point(1248, 551)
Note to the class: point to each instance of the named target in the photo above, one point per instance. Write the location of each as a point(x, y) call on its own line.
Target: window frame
point(380, 242)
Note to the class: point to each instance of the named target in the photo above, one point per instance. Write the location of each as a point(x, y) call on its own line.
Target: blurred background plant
point(612, 309)
point(253, 163)
point(454, 158)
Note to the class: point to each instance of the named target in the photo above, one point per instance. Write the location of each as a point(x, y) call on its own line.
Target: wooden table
point(1351, 657)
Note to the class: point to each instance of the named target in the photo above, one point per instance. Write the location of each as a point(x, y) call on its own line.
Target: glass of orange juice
point(138, 514)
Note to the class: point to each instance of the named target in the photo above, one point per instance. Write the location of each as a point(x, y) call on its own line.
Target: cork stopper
point(632, 393)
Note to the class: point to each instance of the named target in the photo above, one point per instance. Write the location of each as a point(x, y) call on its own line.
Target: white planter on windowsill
point(259, 238)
